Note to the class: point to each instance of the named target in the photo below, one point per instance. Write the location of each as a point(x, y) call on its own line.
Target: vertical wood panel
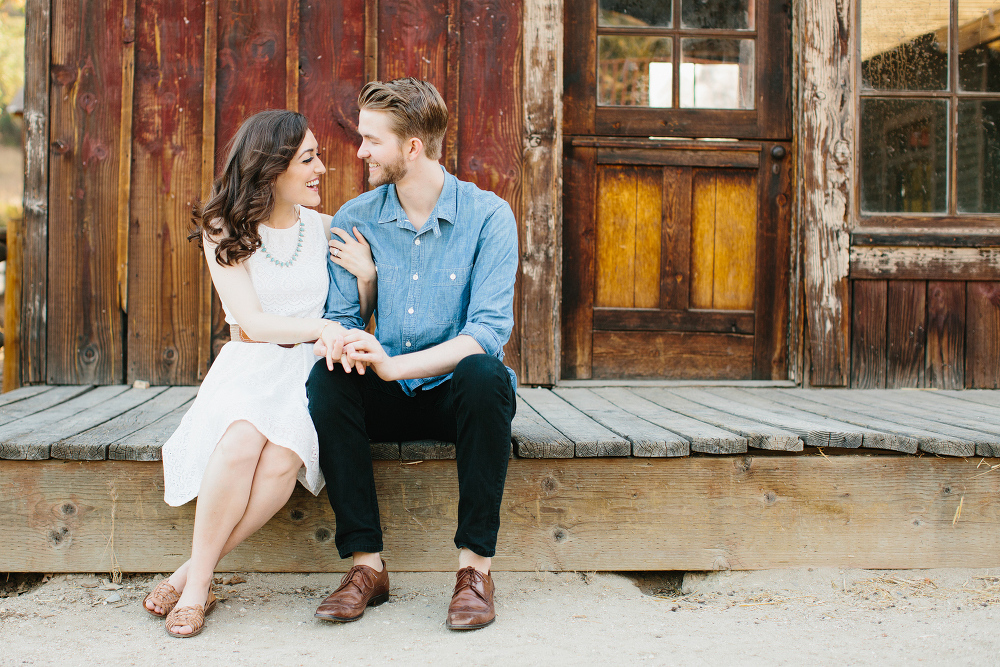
point(868, 324)
point(580, 74)
point(251, 76)
point(491, 131)
point(85, 322)
point(164, 287)
point(771, 301)
point(413, 40)
point(675, 238)
point(331, 74)
point(982, 336)
point(208, 301)
point(616, 211)
point(579, 231)
point(648, 223)
point(31, 334)
point(735, 239)
point(906, 333)
point(827, 48)
point(702, 238)
point(542, 218)
point(945, 365)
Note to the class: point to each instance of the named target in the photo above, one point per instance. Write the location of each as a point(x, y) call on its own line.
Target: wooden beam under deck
point(696, 513)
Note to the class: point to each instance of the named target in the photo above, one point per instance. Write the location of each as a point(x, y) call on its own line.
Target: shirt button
point(414, 276)
point(416, 241)
point(453, 276)
point(407, 343)
point(410, 311)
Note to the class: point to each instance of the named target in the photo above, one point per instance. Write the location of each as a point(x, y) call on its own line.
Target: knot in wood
point(67, 509)
point(297, 515)
point(323, 535)
point(559, 535)
point(743, 463)
point(770, 497)
point(59, 536)
point(549, 485)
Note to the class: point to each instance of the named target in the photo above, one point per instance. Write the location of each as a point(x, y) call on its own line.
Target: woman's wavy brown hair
point(243, 196)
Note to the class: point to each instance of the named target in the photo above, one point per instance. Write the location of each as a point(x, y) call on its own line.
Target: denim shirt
point(454, 277)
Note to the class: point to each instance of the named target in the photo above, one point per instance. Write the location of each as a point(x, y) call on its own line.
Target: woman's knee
point(241, 443)
point(279, 461)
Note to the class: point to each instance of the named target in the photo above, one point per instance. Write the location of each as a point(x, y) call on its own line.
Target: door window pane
point(717, 74)
point(637, 13)
point(978, 160)
point(904, 45)
point(979, 45)
point(904, 152)
point(634, 71)
point(717, 14)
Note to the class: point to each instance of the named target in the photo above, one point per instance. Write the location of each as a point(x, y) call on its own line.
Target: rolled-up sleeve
point(343, 304)
point(491, 298)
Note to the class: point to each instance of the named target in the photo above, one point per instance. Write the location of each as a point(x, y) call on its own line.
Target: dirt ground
point(775, 617)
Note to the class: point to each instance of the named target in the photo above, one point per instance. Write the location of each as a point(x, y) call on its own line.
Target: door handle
point(778, 152)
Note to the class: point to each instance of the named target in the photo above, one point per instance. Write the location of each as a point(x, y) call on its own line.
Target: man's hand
point(330, 344)
point(364, 349)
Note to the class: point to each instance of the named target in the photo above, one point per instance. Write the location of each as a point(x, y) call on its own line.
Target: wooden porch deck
point(619, 478)
point(127, 424)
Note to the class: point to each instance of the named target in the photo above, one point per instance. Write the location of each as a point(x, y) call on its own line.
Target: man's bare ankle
point(374, 561)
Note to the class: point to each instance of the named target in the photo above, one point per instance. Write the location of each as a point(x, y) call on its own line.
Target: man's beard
point(391, 173)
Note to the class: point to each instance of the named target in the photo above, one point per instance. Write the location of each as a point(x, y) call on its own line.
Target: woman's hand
point(364, 350)
point(330, 344)
point(353, 255)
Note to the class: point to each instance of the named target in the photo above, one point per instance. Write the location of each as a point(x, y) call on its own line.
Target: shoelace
point(366, 578)
point(469, 576)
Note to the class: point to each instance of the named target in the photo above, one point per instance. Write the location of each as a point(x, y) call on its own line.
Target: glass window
point(634, 71)
point(717, 73)
point(930, 107)
point(635, 13)
point(717, 14)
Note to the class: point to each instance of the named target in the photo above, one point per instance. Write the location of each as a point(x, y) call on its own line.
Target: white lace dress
point(261, 383)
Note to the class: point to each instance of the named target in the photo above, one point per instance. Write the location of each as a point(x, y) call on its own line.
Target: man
point(446, 256)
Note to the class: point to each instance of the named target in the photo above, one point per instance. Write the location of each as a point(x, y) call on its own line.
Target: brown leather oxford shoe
point(360, 588)
point(471, 605)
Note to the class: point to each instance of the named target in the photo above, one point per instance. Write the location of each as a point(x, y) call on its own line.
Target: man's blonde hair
point(415, 107)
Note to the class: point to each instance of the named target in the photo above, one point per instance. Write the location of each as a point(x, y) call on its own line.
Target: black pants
point(473, 409)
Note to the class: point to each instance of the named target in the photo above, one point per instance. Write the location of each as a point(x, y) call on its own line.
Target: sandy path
point(821, 617)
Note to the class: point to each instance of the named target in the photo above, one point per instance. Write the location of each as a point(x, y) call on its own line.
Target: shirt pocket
point(388, 286)
point(450, 295)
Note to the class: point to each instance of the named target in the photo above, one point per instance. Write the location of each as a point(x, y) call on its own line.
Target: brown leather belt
point(237, 334)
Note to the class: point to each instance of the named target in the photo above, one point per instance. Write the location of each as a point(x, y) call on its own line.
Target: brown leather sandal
point(163, 596)
point(193, 616)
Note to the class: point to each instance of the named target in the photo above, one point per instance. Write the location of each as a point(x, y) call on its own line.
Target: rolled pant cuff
point(479, 551)
point(348, 551)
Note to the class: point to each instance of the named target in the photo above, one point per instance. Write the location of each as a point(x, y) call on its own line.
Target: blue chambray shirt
point(453, 277)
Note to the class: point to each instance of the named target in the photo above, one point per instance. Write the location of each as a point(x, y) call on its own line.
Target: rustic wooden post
point(34, 229)
point(541, 243)
point(827, 123)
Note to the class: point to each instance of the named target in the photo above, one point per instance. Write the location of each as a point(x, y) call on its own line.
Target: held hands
point(363, 349)
point(353, 255)
point(330, 344)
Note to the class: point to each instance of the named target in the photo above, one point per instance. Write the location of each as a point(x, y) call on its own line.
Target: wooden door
point(676, 247)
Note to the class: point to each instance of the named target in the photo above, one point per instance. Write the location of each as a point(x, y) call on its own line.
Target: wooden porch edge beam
point(541, 242)
point(909, 263)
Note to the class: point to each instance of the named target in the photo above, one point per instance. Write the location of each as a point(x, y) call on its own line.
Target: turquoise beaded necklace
point(298, 247)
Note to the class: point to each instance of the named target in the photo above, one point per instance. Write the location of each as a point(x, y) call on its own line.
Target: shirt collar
point(446, 207)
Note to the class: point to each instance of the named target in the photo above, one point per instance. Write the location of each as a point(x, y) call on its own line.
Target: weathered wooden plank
point(331, 74)
point(815, 430)
point(17, 438)
point(982, 336)
point(647, 438)
point(11, 366)
point(413, 40)
point(836, 405)
point(614, 284)
point(43, 401)
point(535, 438)
point(672, 355)
point(945, 361)
point(30, 338)
point(207, 299)
point(162, 401)
point(699, 404)
point(924, 263)
point(695, 513)
point(868, 324)
point(385, 451)
point(589, 438)
point(425, 450)
point(701, 258)
point(164, 301)
point(83, 315)
point(490, 132)
point(703, 437)
point(56, 432)
point(982, 397)
point(22, 393)
point(735, 239)
point(579, 205)
point(648, 232)
point(145, 444)
point(906, 333)
point(675, 241)
point(827, 49)
point(541, 255)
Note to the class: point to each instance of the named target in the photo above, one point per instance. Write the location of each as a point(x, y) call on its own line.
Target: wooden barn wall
point(145, 95)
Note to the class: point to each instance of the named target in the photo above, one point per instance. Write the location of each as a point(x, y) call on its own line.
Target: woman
point(248, 435)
